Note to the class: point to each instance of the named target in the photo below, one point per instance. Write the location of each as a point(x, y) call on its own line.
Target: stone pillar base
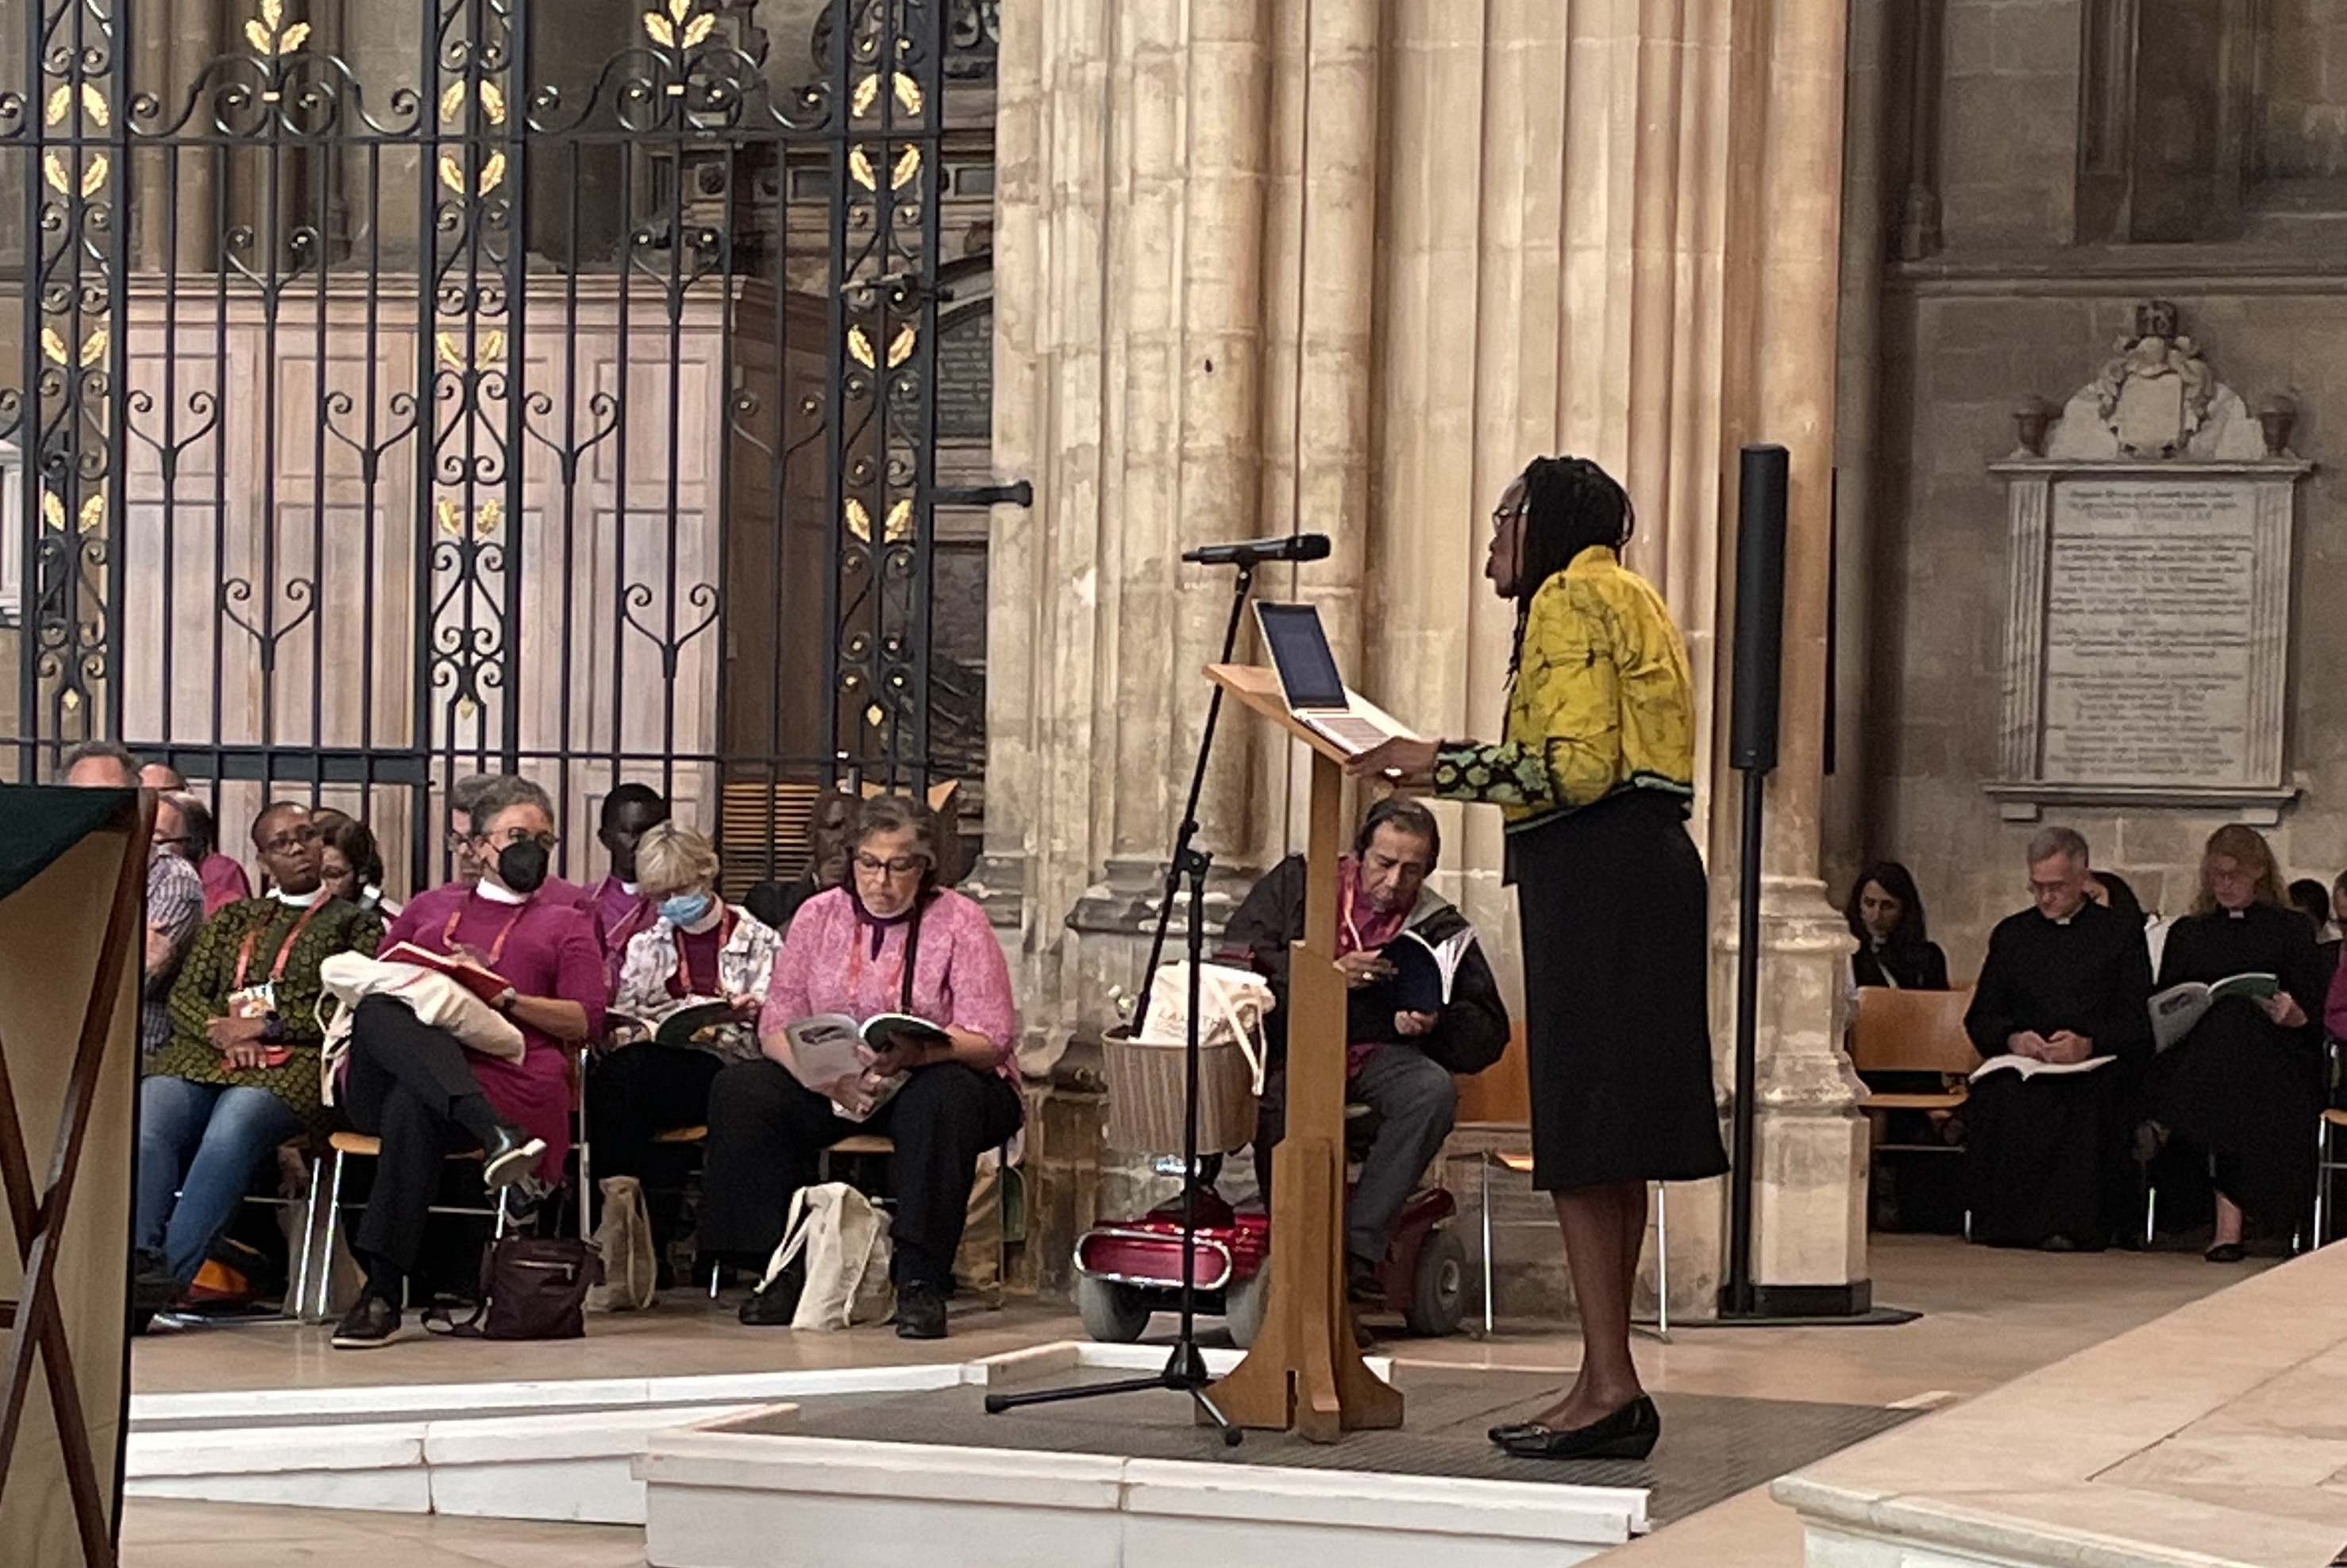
point(1811, 1139)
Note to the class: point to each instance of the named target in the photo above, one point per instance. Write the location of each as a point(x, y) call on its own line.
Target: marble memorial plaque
point(2150, 585)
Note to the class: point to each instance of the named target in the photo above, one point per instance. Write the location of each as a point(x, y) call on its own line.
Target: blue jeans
point(200, 1142)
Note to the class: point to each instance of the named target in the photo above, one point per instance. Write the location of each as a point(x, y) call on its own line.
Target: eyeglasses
point(897, 866)
point(1506, 515)
point(160, 842)
point(514, 835)
point(292, 839)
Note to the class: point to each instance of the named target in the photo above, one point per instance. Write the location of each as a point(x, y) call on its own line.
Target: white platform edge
point(558, 1450)
point(722, 1498)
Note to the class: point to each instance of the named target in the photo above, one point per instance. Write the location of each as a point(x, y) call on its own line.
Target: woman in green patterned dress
point(239, 1073)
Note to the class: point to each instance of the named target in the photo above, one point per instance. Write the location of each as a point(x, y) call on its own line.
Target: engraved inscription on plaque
point(964, 376)
point(2150, 585)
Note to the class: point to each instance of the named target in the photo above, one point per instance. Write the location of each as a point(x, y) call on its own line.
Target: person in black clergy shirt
point(1886, 915)
point(2064, 982)
point(2245, 1085)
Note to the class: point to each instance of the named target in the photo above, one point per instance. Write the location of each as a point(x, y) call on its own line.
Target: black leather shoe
point(371, 1322)
point(920, 1312)
point(2225, 1251)
point(1630, 1432)
point(507, 1157)
point(774, 1304)
point(1362, 1286)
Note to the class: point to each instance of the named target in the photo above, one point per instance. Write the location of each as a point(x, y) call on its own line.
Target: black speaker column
point(1752, 751)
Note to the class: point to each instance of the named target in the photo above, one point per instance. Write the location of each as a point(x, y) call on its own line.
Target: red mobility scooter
point(1127, 1269)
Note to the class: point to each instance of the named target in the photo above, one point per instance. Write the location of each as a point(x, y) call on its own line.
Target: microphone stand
point(1184, 1371)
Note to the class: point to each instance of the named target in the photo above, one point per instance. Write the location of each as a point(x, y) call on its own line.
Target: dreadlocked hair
point(1570, 503)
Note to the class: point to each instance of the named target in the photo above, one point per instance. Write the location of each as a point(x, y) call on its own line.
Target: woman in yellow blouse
point(1595, 777)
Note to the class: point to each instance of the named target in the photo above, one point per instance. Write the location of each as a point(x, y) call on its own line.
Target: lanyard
point(284, 948)
point(498, 948)
point(684, 959)
point(908, 957)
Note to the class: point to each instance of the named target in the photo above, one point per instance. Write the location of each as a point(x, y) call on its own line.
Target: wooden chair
point(1913, 1031)
point(365, 1145)
point(1498, 1102)
point(1899, 1030)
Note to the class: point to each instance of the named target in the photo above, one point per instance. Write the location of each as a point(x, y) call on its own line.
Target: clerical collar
point(297, 900)
point(497, 894)
point(630, 888)
point(879, 924)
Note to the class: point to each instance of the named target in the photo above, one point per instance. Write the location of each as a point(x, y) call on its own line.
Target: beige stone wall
point(1964, 352)
point(2008, 122)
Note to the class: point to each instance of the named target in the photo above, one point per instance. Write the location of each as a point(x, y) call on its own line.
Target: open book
point(2175, 1011)
point(1425, 971)
point(2030, 1066)
point(486, 984)
point(831, 1046)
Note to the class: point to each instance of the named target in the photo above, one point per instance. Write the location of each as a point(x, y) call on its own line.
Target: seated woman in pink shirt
point(890, 940)
point(427, 1097)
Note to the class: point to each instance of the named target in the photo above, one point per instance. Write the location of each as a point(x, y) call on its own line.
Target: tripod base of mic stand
point(1185, 1373)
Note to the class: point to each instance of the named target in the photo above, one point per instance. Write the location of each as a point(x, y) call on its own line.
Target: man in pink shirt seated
point(616, 904)
point(422, 1094)
point(184, 827)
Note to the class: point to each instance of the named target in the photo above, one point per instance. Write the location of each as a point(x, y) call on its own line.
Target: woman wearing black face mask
point(423, 1094)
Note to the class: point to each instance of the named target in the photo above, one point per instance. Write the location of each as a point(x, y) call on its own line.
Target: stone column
point(1809, 1251)
point(1866, 227)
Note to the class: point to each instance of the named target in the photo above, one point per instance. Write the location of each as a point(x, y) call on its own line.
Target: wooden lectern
point(1304, 1372)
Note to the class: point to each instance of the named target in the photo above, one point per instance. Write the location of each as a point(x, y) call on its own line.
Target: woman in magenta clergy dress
point(890, 940)
point(423, 1094)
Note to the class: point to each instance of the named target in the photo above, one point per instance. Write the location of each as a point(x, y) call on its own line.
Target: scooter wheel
point(1243, 1306)
point(1113, 1313)
point(1439, 1297)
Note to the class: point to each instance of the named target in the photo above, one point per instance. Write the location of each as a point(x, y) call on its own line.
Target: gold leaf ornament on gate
point(53, 344)
point(903, 88)
point(858, 518)
point(677, 27)
point(900, 347)
point(859, 347)
point(269, 34)
point(93, 348)
point(53, 511)
point(493, 104)
point(93, 513)
point(899, 526)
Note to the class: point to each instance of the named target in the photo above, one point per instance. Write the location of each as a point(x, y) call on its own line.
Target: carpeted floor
point(1713, 1447)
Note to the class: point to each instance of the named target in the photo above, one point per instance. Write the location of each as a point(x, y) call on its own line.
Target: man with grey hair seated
point(2060, 1015)
point(175, 892)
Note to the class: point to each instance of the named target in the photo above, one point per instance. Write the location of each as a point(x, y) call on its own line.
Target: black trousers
point(767, 1131)
point(635, 1093)
point(411, 1086)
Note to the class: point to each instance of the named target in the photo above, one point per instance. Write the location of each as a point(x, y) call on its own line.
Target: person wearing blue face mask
point(697, 953)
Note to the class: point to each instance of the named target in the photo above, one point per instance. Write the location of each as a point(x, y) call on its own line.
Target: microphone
point(1255, 552)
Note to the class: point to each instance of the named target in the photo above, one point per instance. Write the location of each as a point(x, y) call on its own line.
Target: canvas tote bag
point(844, 1242)
point(624, 1237)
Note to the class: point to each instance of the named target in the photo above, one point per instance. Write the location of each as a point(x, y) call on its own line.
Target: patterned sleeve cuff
point(1503, 774)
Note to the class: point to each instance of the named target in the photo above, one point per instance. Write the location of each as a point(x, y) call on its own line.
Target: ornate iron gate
point(410, 387)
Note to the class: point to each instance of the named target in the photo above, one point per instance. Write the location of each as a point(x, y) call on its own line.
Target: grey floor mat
point(1713, 1447)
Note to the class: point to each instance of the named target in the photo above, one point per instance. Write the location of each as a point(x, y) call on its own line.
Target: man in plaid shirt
point(175, 892)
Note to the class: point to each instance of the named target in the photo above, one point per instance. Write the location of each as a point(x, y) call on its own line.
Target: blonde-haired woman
point(2245, 1086)
point(698, 951)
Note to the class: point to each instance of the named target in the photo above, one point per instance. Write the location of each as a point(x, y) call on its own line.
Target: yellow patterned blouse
point(1603, 703)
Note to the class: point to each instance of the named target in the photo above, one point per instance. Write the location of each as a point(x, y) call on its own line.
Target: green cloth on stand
point(39, 823)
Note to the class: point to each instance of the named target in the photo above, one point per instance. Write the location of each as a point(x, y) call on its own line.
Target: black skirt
point(1617, 953)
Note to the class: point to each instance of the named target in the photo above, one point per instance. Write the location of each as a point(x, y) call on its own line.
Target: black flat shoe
point(1506, 1430)
point(2225, 1251)
point(1630, 1432)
